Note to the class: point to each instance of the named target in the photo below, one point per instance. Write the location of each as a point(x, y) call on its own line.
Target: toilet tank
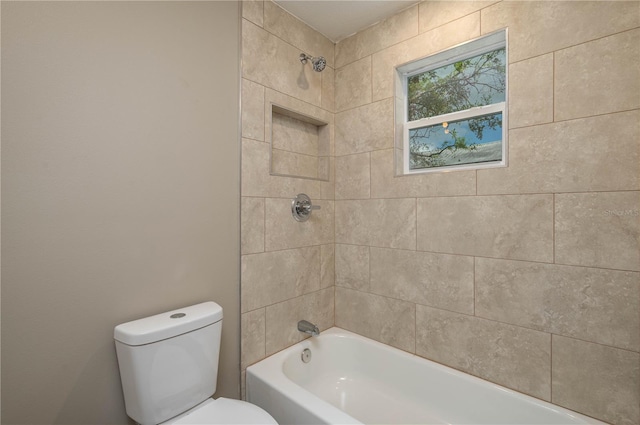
point(169, 362)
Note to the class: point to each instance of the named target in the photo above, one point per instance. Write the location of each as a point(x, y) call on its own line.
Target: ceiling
point(338, 19)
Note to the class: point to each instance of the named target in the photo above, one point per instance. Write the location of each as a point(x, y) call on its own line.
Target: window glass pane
point(468, 141)
point(477, 81)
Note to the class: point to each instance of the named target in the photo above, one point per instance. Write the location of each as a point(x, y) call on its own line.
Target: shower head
point(318, 63)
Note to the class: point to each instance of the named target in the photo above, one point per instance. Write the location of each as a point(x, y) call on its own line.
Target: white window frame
point(484, 44)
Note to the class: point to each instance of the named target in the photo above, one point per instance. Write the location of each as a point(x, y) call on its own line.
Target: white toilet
point(169, 365)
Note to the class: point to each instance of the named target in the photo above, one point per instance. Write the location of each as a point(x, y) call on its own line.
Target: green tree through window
point(471, 83)
point(477, 81)
point(454, 112)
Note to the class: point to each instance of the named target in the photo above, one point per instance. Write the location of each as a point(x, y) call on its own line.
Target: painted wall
point(120, 191)
point(287, 266)
point(528, 275)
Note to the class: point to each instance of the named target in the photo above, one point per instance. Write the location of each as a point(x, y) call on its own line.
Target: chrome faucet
point(301, 207)
point(308, 328)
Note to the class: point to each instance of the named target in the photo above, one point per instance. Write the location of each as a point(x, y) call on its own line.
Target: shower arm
point(304, 58)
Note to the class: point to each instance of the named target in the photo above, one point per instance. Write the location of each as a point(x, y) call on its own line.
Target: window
point(454, 108)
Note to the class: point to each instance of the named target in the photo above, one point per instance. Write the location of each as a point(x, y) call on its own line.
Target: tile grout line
point(474, 286)
point(551, 368)
point(553, 86)
point(553, 229)
point(416, 221)
point(264, 224)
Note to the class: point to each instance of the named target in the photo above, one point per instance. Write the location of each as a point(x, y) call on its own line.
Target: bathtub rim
point(270, 372)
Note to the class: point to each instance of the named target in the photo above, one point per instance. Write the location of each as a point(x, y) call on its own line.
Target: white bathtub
point(352, 380)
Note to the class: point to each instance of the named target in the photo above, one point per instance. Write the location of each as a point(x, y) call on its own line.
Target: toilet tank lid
point(169, 324)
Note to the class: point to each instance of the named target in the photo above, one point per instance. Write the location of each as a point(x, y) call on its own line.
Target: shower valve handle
point(301, 207)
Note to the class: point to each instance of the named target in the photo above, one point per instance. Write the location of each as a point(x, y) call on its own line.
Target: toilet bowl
point(169, 366)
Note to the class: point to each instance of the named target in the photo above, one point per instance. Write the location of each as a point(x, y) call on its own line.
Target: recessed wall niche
point(300, 144)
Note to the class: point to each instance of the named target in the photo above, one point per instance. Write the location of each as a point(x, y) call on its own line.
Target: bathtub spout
point(308, 328)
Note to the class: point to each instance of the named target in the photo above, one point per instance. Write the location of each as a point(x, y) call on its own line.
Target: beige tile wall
point(528, 276)
point(287, 267)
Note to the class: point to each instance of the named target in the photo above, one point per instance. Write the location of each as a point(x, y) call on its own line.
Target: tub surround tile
point(296, 164)
point(253, 10)
point(598, 229)
point(591, 304)
point(383, 319)
point(388, 32)
point(531, 92)
point(252, 110)
point(294, 104)
point(596, 380)
point(352, 267)
point(508, 355)
point(282, 318)
point(328, 189)
point(273, 97)
point(272, 277)
point(292, 30)
point(257, 182)
point(384, 183)
point(252, 225)
point(514, 227)
point(365, 128)
point(296, 274)
point(353, 85)
point(256, 178)
point(253, 337)
point(437, 13)
point(268, 60)
point(586, 76)
point(377, 222)
point(427, 43)
point(282, 231)
point(327, 266)
point(353, 176)
point(363, 259)
point(292, 135)
point(589, 154)
point(437, 280)
point(328, 89)
point(540, 27)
